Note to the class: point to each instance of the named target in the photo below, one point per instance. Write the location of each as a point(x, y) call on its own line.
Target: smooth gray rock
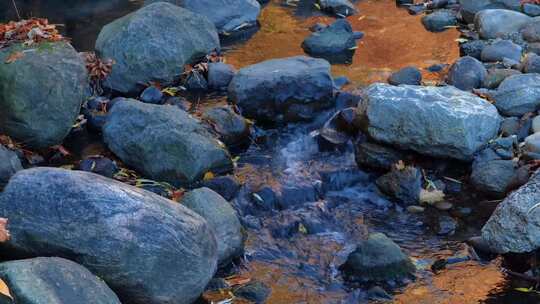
point(154, 43)
point(41, 93)
point(221, 217)
point(439, 20)
point(406, 75)
point(436, 121)
point(518, 94)
point(220, 75)
point(334, 43)
point(54, 281)
point(501, 49)
point(148, 249)
point(467, 73)
point(283, 90)
point(531, 31)
point(163, 142)
point(514, 226)
point(494, 177)
point(9, 165)
point(495, 23)
point(227, 15)
point(232, 128)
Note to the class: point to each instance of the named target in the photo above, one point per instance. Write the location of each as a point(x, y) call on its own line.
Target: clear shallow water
point(302, 267)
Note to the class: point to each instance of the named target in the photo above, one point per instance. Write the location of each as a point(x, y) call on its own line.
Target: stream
point(297, 251)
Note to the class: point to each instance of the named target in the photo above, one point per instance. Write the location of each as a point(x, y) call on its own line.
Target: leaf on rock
point(14, 57)
point(431, 197)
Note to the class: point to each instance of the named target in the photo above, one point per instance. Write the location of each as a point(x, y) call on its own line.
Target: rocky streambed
point(250, 151)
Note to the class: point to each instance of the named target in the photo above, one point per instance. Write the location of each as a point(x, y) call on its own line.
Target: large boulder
point(221, 216)
point(518, 94)
point(163, 142)
point(148, 249)
point(436, 121)
point(41, 93)
point(227, 15)
point(54, 281)
point(9, 165)
point(494, 23)
point(469, 8)
point(515, 225)
point(154, 44)
point(281, 90)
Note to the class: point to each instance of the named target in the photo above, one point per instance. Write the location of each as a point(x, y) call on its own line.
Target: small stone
point(407, 75)
point(447, 225)
point(256, 292)
point(500, 50)
point(415, 209)
point(151, 95)
point(443, 206)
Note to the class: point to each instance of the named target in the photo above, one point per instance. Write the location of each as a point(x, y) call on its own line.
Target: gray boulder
point(163, 142)
point(495, 23)
point(282, 90)
point(54, 281)
point(469, 8)
point(402, 184)
point(494, 177)
point(41, 93)
point(222, 218)
point(467, 73)
point(518, 94)
point(148, 249)
point(515, 225)
point(154, 44)
point(436, 121)
point(334, 43)
point(9, 165)
point(227, 15)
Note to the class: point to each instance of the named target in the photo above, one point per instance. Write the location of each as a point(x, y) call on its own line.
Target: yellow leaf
point(317, 6)
point(208, 176)
point(302, 229)
point(523, 289)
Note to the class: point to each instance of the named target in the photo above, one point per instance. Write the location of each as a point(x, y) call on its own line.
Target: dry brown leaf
point(4, 232)
point(14, 57)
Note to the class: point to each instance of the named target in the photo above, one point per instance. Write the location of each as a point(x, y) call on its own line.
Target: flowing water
point(297, 251)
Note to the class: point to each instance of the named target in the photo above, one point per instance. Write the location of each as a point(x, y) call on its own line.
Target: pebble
point(443, 206)
point(415, 209)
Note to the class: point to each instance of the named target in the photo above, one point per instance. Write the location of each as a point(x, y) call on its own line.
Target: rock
point(518, 94)
point(455, 124)
point(227, 15)
point(536, 124)
point(226, 186)
point(148, 249)
point(339, 129)
point(54, 281)
point(266, 199)
point(378, 294)
point(402, 184)
point(151, 95)
point(439, 20)
point(495, 76)
point(467, 73)
point(447, 225)
point(531, 9)
point(232, 128)
point(154, 43)
point(377, 259)
point(531, 64)
point(222, 219)
point(501, 49)
point(340, 179)
point(38, 109)
point(531, 32)
point(342, 8)
point(415, 209)
point(283, 90)
point(532, 143)
point(407, 75)
point(334, 43)
point(374, 156)
point(472, 48)
point(220, 75)
point(494, 177)
point(195, 81)
point(510, 126)
point(469, 8)
point(256, 292)
point(443, 206)
point(99, 165)
point(495, 23)
point(163, 142)
point(340, 82)
point(9, 165)
point(514, 226)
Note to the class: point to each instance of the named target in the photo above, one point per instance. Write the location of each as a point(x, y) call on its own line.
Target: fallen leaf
point(4, 232)
point(431, 197)
point(14, 57)
point(208, 176)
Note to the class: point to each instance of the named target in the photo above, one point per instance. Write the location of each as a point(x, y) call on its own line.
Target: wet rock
point(494, 77)
point(196, 81)
point(163, 142)
point(227, 15)
point(531, 32)
point(501, 49)
point(402, 184)
point(9, 165)
point(472, 48)
point(341, 179)
point(256, 292)
point(514, 226)
point(232, 128)
point(334, 43)
point(266, 199)
point(377, 259)
point(494, 177)
point(455, 124)
point(220, 75)
point(177, 101)
point(222, 219)
point(467, 73)
point(495, 23)
point(134, 240)
point(447, 225)
point(172, 37)
point(37, 109)
point(99, 165)
point(283, 90)
point(292, 196)
point(518, 94)
point(439, 20)
point(407, 75)
point(531, 9)
point(374, 156)
point(54, 281)
point(376, 293)
point(342, 8)
point(340, 128)
point(226, 186)
point(531, 64)
point(151, 95)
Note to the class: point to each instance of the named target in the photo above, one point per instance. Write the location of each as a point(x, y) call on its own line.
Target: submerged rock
point(377, 259)
point(374, 156)
point(148, 249)
point(467, 73)
point(9, 165)
point(335, 42)
point(256, 292)
point(54, 281)
point(402, 184)
point(283, 90)
point(518, 94)
point(436, 121)
point(232, 128)
point(154, 44)
point(41, 93)
point(163, 142)
point(495, 23)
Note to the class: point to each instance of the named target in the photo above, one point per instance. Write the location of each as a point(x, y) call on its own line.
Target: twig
point(16, 9)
